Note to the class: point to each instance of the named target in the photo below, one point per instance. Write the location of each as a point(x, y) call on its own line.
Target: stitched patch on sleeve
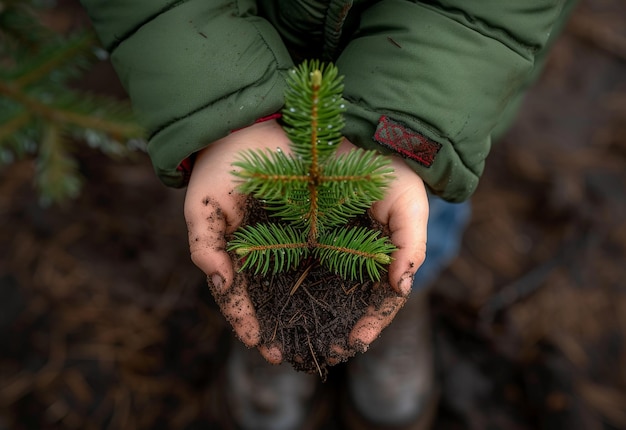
point(405, 141)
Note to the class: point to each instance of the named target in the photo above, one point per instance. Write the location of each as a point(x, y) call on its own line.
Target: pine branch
point(10, 126)
point(368, 173)
point(348, 251)
point(56, 171)
point(40, 112)
point(272, 244)
point(313, 108)
point(313, 190)
point(58, 61)
point(294, 208)
point(337, 208)
point(269, 175)
point(72, 109)
point(19, 29)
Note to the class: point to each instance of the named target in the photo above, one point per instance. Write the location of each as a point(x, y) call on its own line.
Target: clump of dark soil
point(309, 310)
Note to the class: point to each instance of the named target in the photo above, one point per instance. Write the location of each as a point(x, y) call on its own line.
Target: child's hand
point(405, 210)
point(213, 208)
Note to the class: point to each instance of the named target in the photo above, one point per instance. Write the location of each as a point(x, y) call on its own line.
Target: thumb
point(405, 211)
point(206, 226)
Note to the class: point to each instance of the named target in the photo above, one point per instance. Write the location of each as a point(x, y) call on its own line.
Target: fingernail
point(272, 354)
point(217, 281)
point(359, 346)
point(275, 353)
point(405, 284)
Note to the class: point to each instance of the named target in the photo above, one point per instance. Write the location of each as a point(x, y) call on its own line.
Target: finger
point(207, 225)
point(405, 211)
point(206, 228)
point(338, 354)
point(368, 327)
point(238, 310)
point(271, 353)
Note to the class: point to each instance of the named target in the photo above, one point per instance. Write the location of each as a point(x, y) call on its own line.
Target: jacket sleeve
point(194, 70)
point(431, 80)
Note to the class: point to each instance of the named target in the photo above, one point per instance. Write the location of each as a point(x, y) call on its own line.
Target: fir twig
point(314, 191)
point(39, 111)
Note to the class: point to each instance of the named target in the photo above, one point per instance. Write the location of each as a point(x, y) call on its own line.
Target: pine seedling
point(313, 191)
point(42, 116)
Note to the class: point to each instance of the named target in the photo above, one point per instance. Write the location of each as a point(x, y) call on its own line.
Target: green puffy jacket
point(430, 80)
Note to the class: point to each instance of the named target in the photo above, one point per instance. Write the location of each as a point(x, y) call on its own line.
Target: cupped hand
point(405, 210)
point(214, 209)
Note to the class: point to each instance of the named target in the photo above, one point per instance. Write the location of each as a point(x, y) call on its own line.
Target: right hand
point(213, 209)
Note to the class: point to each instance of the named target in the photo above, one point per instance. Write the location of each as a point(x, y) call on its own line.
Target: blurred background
point(105, 322)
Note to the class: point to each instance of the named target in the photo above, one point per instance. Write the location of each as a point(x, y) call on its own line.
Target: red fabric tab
point(405, 141)
point(185, 167)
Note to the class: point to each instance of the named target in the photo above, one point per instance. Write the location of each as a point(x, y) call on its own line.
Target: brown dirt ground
point(105, 324)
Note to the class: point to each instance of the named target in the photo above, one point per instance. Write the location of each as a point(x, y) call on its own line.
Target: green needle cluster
point(313, 191)
point(42, 115)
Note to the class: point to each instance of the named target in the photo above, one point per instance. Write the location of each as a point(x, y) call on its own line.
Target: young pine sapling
point(313, 191)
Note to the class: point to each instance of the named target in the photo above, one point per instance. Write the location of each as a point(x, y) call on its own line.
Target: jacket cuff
point(186, 166)
point(430, 84)
point(424, 149)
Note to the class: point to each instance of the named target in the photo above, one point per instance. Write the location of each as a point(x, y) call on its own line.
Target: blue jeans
point(446, 224)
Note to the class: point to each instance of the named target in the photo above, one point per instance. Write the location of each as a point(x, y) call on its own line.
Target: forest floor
point(106, 324)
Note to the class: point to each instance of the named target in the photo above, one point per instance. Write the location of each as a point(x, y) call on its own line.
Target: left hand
point(405, 210)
